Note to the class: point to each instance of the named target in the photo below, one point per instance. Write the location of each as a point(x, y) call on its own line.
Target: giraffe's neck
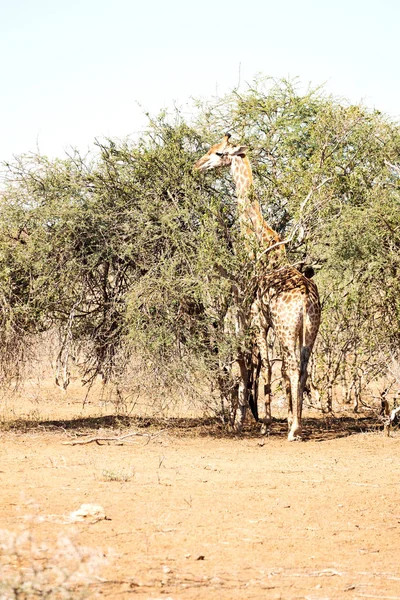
point(254, 228)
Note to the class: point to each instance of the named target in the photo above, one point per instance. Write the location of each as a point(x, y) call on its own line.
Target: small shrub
point(30, 570)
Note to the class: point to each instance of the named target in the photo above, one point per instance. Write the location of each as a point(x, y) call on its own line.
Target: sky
point(73, 71)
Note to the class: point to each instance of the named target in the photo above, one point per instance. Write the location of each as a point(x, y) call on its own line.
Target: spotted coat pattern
point(285, 299)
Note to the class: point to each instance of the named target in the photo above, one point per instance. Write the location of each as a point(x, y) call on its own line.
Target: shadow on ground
point(315, 429)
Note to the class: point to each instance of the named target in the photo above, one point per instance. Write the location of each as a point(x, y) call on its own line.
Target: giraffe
point(285, 299)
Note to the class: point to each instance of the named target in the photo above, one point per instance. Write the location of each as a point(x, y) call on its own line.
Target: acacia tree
point(119, 253)
point(129, 251)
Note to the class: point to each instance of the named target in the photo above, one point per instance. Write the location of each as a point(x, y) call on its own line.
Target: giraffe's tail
point(304, 358)
point(305, 350)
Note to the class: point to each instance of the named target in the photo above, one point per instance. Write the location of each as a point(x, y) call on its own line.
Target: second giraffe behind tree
point(285, 299)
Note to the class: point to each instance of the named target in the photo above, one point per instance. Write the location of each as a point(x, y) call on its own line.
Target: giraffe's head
point(220, 155)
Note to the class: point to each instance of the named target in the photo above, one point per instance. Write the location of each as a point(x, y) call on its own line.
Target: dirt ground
point(194, 513)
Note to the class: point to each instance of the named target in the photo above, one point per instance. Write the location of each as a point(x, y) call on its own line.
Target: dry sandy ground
point(193, 513)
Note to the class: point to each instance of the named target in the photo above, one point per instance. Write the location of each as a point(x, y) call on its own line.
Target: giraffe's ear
point(236, 150)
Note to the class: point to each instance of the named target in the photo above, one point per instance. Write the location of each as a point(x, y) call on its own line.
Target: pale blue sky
point(75, 70)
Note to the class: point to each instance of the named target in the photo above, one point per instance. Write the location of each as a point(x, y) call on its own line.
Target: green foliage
point(130, 250)
point(81, 241)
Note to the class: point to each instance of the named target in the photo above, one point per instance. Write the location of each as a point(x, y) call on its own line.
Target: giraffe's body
point(285, 299)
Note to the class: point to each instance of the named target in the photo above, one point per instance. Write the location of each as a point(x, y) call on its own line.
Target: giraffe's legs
point(253, 381)
point(266, 370)
point(233, 403)
point(296, 377)
point(267, 378)
point(294, 416)
point(239, 414)
point(291, 376)
point(262, 365)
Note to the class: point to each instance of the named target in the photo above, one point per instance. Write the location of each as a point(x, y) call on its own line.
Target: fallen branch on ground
point(99, 439)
